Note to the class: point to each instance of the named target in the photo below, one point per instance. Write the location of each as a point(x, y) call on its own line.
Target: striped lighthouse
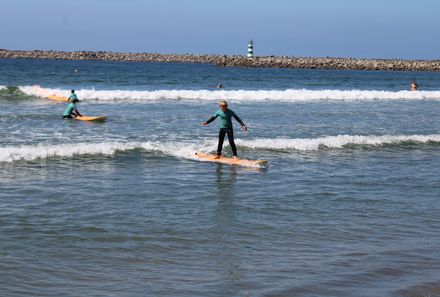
point(250, 53)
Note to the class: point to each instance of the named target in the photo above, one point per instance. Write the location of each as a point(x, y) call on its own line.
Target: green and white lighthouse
point(250, 53)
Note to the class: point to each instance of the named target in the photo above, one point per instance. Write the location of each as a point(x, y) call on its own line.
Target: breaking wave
point(187, 149)
point(47, 151)
point(335, 142)
point(12, 93)
point(290, 95)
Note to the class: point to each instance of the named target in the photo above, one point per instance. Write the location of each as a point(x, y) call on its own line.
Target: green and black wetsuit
point(71, 110)
point(226, 128)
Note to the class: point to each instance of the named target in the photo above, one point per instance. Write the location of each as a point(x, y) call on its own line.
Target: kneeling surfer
point(71, 110)
point(225, 115)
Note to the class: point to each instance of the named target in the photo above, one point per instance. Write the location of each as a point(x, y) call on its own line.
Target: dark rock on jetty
point(234, 61)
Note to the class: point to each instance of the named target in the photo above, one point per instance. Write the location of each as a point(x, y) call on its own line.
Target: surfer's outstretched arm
point(209, 121)
point(243, 125)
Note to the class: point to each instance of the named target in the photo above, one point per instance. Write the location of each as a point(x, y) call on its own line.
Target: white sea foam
point(186, 150)
point(334, 142)
point(290, 95)
point(46, 151)
point(40, 151)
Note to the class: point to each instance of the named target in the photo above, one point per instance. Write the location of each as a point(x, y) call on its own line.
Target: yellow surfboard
point(92, 119)
point(230, 161)
point(58, 98)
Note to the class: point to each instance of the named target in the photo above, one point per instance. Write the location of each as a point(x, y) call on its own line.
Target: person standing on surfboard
point(225, 116)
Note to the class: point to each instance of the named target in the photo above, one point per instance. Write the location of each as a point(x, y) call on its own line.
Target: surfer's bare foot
point(234, 157)
point(217, 157)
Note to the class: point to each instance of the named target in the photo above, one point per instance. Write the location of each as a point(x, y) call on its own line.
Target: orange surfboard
point(230, 161)
point(92, 119)
point(58, 98)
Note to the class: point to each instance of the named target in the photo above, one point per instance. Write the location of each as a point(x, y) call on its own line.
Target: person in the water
point(225, 116)
point(414, 86)
point(71, 110)
point(73, 96)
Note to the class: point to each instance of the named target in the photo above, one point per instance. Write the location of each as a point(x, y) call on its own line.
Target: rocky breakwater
point(107, 56)
point(331, 63)
point(232, 61)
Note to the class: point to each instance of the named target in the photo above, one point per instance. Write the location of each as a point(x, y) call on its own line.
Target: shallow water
point(348, 205)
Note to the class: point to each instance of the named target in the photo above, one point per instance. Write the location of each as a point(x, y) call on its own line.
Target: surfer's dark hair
point(73, 91)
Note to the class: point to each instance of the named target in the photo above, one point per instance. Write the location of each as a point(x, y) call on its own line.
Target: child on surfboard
point(71, 110)
point(225, 116)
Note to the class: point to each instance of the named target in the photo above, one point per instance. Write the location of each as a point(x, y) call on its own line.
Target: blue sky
point(337, 28)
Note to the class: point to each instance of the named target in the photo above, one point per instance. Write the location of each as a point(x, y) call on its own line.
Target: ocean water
point(348, 205)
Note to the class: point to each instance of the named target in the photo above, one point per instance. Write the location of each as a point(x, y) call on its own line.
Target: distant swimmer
point(226, 116)
point(71, 110)
point(414, 86)
point(219, 86)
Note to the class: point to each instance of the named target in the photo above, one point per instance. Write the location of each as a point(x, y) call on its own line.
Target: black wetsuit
point(221, 138)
